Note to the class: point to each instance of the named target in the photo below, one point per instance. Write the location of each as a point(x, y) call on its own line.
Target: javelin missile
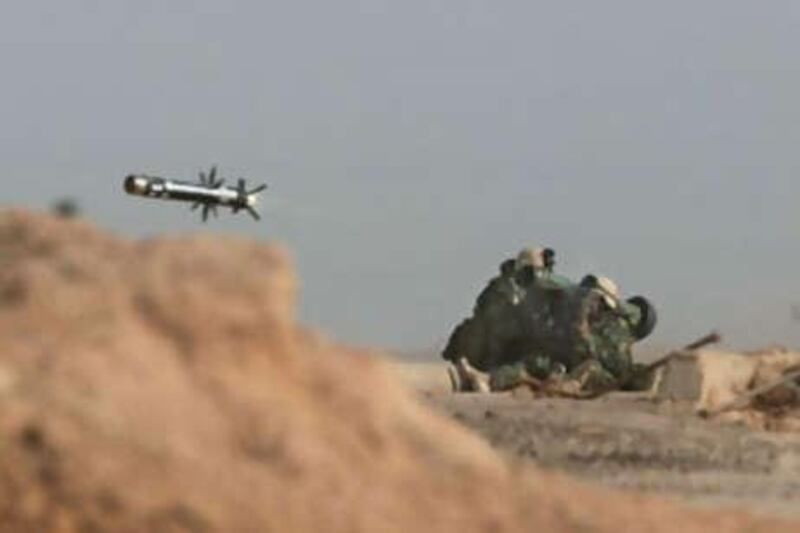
point(209, 192)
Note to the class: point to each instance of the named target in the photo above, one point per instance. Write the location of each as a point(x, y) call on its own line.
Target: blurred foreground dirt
point(164, 386)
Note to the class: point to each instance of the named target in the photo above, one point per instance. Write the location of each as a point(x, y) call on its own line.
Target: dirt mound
point(163, 386)
point(718, 381)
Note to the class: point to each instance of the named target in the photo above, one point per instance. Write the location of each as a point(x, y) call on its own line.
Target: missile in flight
point(208, 193)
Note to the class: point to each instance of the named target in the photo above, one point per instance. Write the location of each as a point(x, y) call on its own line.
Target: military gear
point(612, 340)
point(507, 268)
point(606, 286)
point(483, 339)
point(549, 258)
point(536, 366)
point(609, 290)
point(647, 316)
point(531, 257)
point(501, 290)
point(571, 329)
point(531, 324)
point(525, 275)
point(599, 331)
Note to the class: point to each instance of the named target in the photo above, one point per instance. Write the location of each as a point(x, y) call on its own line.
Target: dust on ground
point(164, 385)
point(631, 442)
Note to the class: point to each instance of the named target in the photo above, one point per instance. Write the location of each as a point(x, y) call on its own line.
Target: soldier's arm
point(584, 345)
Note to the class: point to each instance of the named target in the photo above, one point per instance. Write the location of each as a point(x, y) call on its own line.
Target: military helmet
point(609, 290)
point(530, 257)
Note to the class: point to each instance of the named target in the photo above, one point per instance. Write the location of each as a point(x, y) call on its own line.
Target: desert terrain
point(165, 385)
point(632, 442)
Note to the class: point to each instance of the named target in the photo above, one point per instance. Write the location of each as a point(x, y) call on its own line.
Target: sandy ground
point(629, 442)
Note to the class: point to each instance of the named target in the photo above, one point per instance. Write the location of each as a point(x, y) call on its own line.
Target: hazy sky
point(411, 145)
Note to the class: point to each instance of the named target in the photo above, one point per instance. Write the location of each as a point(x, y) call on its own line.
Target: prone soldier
point(486, 339)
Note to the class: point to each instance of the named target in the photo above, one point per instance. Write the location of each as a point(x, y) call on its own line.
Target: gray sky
point(411, 145)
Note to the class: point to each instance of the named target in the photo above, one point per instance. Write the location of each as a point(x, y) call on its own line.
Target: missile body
point(165, 189)
point(208, 193)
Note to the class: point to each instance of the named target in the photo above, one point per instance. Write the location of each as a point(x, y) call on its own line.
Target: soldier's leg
point(616, 357)
point(591, 375)
point(508, 376)
point(513, 374)
point(470, 379)
point(541, 366)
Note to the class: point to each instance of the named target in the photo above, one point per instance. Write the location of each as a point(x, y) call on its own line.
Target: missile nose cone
point(136, 184)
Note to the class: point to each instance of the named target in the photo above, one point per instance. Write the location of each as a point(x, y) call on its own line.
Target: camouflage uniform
point(501, 290)
point(536, 351)
point(508, 327)
point(602, 349)
point(603, 338)
point(486, 339)
point(584, 329)
point(481, 338)
point(536, 365)
point(494, 310)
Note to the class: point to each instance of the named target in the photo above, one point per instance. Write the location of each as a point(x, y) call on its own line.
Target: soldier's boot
point(455, 381)
point(469, 379)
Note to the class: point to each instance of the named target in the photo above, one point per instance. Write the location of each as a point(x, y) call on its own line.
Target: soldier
point(502, 288)
point(484, 340)
point(601, 335)
point(504, 328)
point(541, 316)
point(583, 331)
point(477, 338)
point(529, 266)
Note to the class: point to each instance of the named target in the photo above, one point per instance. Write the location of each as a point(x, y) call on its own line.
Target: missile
point(209, 192)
